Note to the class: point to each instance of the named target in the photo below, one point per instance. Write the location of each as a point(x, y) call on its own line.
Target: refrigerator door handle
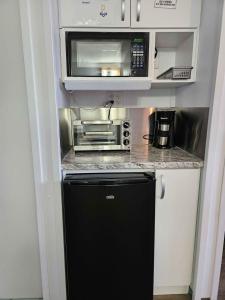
point(107, 182)
point(104, 179)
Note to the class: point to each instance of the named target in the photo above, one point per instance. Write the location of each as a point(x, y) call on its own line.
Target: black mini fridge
point(109, 236)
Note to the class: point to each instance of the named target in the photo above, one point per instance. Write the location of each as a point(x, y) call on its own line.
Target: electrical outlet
point(116, 98)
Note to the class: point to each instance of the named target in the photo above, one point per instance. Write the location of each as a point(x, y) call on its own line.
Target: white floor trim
point(171, 290)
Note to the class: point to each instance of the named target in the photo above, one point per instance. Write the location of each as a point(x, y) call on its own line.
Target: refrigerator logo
point(110, 197)
point(103, 11)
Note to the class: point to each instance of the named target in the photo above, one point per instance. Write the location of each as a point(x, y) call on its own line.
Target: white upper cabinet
point(94, 13)
point(130, 13)
point(165, 14)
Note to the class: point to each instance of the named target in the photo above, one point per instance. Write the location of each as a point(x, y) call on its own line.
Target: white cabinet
point(130, 13)
point(175, 229)
point(147, 14)
point(94, 13)
point(177, 47)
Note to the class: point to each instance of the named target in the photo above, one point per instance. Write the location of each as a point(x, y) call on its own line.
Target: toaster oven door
point(97, 135)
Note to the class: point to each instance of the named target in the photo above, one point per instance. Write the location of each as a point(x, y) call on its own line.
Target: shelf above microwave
point(109, 84)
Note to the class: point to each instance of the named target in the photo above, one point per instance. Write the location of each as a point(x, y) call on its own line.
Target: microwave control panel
point(138, 58)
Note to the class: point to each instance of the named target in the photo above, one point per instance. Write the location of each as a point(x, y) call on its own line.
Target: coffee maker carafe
point(164, 129)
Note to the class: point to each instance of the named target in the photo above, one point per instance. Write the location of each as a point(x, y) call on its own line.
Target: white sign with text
point(166, 4)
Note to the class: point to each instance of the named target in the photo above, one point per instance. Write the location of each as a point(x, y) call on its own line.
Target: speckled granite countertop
point(140, 157)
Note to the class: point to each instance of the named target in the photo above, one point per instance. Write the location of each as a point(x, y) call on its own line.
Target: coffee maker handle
point(156, 126)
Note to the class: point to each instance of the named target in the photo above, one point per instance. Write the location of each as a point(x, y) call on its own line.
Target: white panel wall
point(19, 252)
point(200, 94)
point(153, 97)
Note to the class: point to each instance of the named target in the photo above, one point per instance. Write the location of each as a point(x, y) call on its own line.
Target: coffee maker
point(162, 128)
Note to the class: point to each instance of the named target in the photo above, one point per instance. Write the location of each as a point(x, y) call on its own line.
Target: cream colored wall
point(20, 275)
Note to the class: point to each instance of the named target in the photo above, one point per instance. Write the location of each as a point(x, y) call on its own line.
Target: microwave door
point(100, 58)
point(106, 61)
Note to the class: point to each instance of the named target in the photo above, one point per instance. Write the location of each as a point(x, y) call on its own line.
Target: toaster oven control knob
point(126, 125)
point(126, 142)
point(126, 133)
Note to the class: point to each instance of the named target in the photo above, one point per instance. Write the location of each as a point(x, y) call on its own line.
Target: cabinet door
point(175, 226)
point(94, 13)
point(146, 14)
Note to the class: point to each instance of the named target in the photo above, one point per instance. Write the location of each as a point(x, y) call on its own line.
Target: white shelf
point(170, 83)
point(175, 49)
point(107, 83)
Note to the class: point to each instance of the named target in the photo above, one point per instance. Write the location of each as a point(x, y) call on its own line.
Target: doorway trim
point(207, 260)
point(46, 154)
point(220, 245)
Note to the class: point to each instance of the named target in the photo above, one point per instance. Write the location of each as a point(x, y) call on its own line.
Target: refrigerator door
point(109, 236)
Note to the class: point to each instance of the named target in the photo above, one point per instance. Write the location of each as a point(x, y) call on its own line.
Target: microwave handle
point(138, 10)
point(123, 10)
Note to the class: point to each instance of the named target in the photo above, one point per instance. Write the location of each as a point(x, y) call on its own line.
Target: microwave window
point(111, 58)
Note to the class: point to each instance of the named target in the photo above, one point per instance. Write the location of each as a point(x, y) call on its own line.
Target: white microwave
point(105, 60)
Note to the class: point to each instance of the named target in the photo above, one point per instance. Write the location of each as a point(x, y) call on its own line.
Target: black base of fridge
point(109, 236)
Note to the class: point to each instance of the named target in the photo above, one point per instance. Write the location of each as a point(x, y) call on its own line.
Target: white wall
point(153, 97)
point(19, 252)
point(200, 94)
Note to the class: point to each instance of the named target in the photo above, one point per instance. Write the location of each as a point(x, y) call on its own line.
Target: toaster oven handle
point(122, 10)
point(98, 133)
point(138, 10)
point(96, 122)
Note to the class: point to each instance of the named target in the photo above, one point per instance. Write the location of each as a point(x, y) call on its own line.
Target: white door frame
point(42, 86)
point(221, 220)
point(221, 216)
point(212, 184)
point(220, 244)
point(46, 154)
